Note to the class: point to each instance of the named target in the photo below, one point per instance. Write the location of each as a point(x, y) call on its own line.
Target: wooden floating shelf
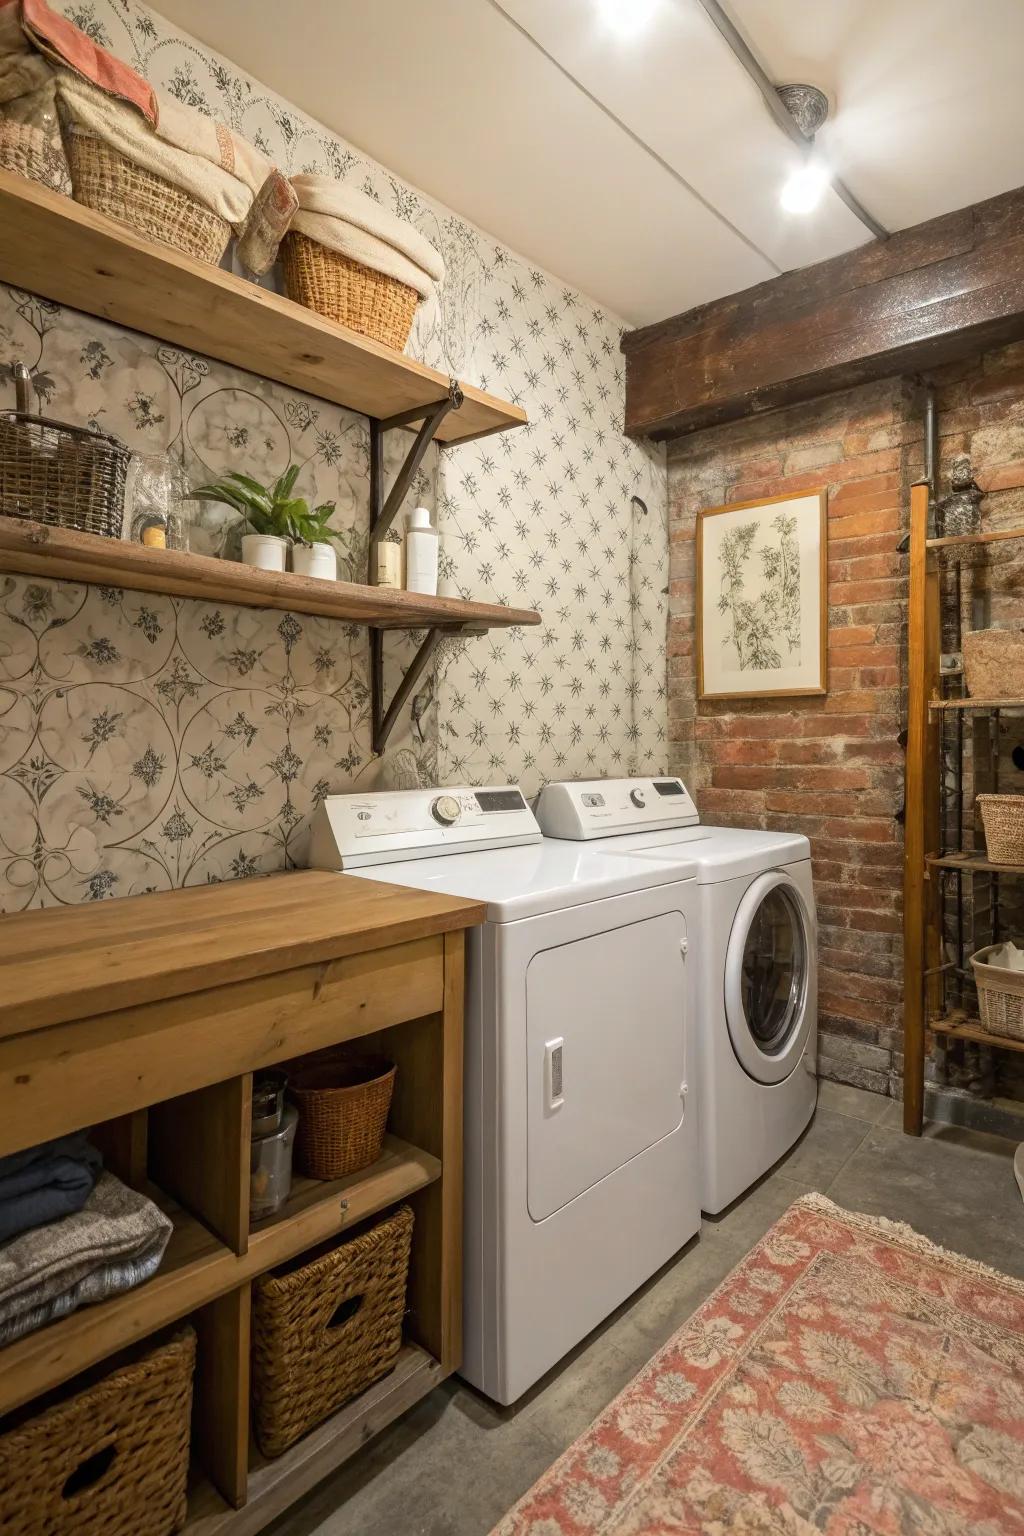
point(55, 247)
point(274, 1485)
point(960, 1027)
point(972, 864)
point(197, 1268)
point(64, 554)
point(980, 704)
point(961, 540)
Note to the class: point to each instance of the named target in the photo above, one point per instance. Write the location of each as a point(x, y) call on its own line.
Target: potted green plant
point(313, 549)
point(274, 517)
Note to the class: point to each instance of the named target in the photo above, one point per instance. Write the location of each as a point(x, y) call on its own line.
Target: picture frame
point(762, 627)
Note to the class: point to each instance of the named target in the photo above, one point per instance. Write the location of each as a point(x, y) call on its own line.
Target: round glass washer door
point(766, 978)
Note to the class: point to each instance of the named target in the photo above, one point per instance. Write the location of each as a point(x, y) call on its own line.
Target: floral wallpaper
point(151, 742)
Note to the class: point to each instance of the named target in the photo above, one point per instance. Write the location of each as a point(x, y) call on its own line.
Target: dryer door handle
point(554, 1094)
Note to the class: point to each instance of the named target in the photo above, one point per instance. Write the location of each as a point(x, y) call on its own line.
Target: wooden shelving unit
point(56, 247)
point(927, 972)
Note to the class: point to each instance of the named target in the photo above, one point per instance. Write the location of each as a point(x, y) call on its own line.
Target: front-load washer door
point(767, 974)
point(606, 1038)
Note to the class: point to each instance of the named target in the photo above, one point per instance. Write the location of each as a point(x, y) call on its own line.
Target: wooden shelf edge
point(960, 540)
point(972, 863)
point(967, 1029)
point(275, 1485)
point(197, 1269)
point(65, 554)
point(976, 703)
point(53, 246)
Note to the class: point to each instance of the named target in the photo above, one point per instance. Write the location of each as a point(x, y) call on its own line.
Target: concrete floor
point(455, 1464)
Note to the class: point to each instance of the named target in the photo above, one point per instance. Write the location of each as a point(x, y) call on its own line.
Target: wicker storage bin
point(326, 1331)
point(104, 179)
point(343, 1109)
point(52, 473)
point(343, 290)
point(1002, 816)
point(994, 663)
point(110, 1461)
point(1000, 995)
point(29, 151)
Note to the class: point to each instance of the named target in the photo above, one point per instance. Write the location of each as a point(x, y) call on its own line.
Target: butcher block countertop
point(66, 962)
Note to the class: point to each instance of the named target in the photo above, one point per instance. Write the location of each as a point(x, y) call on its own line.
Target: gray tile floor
point(455, 1464)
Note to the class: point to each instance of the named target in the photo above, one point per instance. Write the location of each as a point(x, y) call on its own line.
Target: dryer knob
point(637, 797)
point(445, 809)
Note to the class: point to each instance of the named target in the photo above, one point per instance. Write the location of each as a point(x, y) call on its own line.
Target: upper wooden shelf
point(959, 540)
point(55, 247)
point(970, 703)
point(36, 549)
point(972, 864)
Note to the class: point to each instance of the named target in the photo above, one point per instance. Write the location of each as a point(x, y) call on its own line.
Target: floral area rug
point(847, 1377)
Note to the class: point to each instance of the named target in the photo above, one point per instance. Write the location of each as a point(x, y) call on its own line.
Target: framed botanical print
point(762, 599)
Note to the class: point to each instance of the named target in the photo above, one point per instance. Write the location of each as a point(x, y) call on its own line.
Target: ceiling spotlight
point(628, 18)
point(805, 187)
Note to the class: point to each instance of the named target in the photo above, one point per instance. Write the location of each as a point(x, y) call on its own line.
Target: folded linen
point(347, 220)
point(22, 69)
point(44, 1183)
point(67, 45)
point(114, 1242)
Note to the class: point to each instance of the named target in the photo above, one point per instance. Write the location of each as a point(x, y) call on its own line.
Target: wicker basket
point(343, 1112)
point(52, 473)
point(1002, 816)
point(326, 1331)
point(994, 663)
point(104, 179)
point(110, 1461)
point(1000, 995)
point(343, 290)
point(29, 151)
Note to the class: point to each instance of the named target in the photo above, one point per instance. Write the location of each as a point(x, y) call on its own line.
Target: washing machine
point(581, 1154)
point(756, 1061)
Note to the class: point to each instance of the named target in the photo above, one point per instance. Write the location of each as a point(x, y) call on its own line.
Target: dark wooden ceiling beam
point(925, 296)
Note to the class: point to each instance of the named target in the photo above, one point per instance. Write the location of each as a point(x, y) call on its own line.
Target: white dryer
point(756, 1076)
point(581, 1152)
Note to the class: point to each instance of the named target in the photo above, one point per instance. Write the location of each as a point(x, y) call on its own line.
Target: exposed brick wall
point(832, 768)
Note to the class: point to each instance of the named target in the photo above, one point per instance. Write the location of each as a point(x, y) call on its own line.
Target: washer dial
point(446, 810)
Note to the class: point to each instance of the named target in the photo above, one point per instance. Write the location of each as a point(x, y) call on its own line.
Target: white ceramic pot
point(315, 560)
point(265, 551)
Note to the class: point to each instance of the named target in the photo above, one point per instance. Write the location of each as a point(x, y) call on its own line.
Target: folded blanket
point(348, 221)
point(67, 45)
point(21, 68)
point(114, 1242)
point(47, 1182)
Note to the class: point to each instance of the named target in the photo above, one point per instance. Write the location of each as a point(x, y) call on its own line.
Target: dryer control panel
point(353, 831)
point(584, 808)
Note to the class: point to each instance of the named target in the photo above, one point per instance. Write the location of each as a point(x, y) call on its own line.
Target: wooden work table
point(145, 1018)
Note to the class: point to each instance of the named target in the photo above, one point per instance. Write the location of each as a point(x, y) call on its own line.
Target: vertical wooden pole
point(199, 1153)
point(220, 1413)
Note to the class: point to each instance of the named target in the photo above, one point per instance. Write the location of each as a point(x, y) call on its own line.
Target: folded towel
point(47, 1182)
point(67, 45)
point(350, 222)
point(114, 1242)
point(21, 68)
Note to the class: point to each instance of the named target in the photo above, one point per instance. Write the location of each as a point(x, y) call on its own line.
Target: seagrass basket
point(344, 290)
point(110, 1461)
point(326, 1330)
point(50, 472)
point(1002, 816)
point(104, 179)
point(343, 1106)
point(1000, 995)
point(29, 151)
point(994, 663)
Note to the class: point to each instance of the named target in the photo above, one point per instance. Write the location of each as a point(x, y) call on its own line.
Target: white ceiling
point(645, 169)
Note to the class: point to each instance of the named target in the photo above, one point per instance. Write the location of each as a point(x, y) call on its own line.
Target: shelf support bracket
point(384, 719)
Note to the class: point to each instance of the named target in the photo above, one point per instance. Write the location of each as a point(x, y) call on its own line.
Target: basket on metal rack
point(50, 472)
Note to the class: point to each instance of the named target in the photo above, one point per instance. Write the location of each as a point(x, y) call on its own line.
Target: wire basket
point(343, 1109)
point(1000, 995)
point(1002, 816)
point(340, 289)
point(70, 477)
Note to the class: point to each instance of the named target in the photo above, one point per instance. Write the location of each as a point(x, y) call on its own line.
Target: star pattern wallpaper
point(150, 742)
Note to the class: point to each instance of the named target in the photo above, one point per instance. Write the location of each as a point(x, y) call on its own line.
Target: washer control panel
point(588, 808)
point(352, 831)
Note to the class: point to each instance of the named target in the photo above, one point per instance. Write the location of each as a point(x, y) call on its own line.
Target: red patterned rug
point(847, 1377)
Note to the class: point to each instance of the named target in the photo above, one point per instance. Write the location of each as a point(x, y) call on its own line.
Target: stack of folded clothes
point(69, 1234)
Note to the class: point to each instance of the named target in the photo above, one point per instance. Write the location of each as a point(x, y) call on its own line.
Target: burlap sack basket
point(104, 179)
point(343, 1106)
point(1000, 995)
point(994, 663)
point(27, 151)
point(345, 291)
point(1002, 816)
point(110, 1461)
point(325, 1331)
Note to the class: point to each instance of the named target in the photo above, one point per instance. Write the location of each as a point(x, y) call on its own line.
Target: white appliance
point(581, 1150)
point(757, 1021)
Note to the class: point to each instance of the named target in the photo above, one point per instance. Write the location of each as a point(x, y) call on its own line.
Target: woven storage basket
point(343, 1112)
point(994, 663)
point(344, 290)
point(110, 1461)
point(28, 151)
point(326, 1331)
point(1002, 816)
point(52, 473)
point(104, 179)
point(1000, 995)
